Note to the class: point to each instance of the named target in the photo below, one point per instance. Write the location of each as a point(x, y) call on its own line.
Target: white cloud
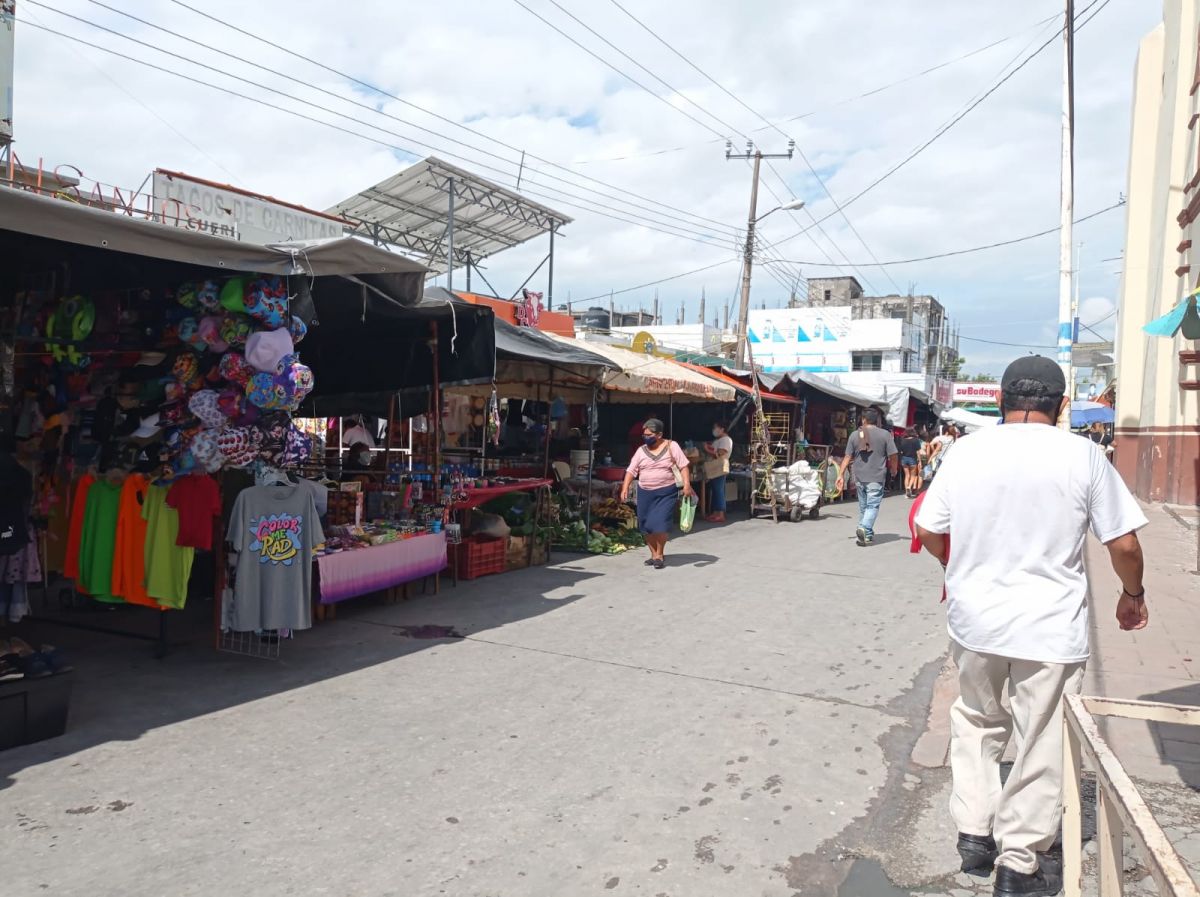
point(992, 177)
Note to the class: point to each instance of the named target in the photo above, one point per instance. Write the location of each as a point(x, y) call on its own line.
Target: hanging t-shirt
point(129, 559)
point(274, 530)
point(75, 530)
point(168, 565)
point(98, 543)
point(198, 500)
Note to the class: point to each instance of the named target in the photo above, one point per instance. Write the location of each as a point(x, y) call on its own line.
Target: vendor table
point(477, 497)
point(347, 574)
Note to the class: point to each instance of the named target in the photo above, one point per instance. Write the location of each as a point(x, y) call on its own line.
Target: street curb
point(933, 747)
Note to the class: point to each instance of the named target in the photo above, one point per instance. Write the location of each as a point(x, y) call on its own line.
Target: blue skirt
point(656, 509)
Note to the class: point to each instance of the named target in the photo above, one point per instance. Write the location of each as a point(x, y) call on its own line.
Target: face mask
point(649, 440)
point(364, 459)
point(716, 433)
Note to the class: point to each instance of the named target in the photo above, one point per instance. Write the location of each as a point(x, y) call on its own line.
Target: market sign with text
point(810, 339)
point(229, 212)
point(977, 393)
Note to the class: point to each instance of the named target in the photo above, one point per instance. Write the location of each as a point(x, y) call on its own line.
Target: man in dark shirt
point(872, 450)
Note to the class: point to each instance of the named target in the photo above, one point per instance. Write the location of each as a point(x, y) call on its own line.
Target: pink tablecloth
point(365, 570)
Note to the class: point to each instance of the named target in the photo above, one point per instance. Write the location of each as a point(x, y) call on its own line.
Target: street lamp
point(794, 206)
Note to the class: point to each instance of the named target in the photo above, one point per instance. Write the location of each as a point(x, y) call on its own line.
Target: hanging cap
point(1034, 376)
point(149, 428)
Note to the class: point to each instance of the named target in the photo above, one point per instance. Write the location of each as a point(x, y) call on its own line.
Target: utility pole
point(656, 319)
point(726, 327)
point(748, 252)
point(1075, 319)
point(702, 297)
point(1066, 326)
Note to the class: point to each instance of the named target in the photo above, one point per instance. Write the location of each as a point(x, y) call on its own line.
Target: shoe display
point(978, 853)
point(1042, 883)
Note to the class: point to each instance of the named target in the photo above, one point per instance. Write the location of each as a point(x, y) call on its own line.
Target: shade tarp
point(529, 361)
point(368, 348)
point(969, 419)
point(641, 376)
point(66, 221)
point(721, 377)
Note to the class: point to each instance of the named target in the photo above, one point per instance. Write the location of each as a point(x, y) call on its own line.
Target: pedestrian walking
point(910, 451)
point(661, 470)
point(1017, 614)
point(872, 452)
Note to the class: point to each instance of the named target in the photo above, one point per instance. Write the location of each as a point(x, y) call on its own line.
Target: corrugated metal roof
point(411, 210)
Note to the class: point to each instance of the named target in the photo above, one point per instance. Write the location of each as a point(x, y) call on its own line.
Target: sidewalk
point(1159, 663)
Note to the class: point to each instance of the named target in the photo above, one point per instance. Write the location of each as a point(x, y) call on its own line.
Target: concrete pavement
point(743, 722)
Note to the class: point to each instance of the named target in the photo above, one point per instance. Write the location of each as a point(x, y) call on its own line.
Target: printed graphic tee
point(274, 530)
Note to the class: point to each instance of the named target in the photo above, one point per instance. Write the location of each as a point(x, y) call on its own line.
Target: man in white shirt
point(1018, 500)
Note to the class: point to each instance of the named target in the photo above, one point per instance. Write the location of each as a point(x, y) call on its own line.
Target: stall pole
point(549, 400)
point(450, 242)
point(469, 264)
point(671, 416)
point(550, 274)
point(435, 401)
point(591, 466)
point(391, 425)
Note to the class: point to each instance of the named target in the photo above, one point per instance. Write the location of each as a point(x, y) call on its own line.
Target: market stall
point(636, 380)
point(151, 378)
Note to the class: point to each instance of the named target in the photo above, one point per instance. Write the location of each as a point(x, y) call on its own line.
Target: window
point(899, 314)
point(828, 295)
point(866, 361)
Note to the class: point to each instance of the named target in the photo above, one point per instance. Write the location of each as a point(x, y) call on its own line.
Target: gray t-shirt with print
point(274, 530)
point(871, 454)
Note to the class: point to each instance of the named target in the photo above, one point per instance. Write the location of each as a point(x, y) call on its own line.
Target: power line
point(705, 111)
point(942, 255)
point(992, 342)
point(652, 283)
point(836, 103)
point(812, 170)
point(675, 229)
point(963, 113)
point(293, 54)
point(569, 181)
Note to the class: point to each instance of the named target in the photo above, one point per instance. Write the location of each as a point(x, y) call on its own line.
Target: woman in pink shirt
point(654, 466)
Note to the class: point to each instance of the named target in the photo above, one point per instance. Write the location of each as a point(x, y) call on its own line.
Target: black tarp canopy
point(366, 349)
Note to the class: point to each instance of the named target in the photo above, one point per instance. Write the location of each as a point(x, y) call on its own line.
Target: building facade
point(1158, 405)
point(928, 345)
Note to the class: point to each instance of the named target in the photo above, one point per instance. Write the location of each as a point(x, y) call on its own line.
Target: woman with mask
point(661, 469)
point(719, 449)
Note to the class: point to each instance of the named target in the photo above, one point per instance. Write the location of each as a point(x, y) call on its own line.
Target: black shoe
point(1042, 883)
point(978, 853)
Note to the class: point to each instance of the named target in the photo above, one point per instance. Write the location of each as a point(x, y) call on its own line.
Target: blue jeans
point(870, 497)
point(716, 494)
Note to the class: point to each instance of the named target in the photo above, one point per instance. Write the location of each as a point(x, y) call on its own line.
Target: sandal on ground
point(659, 563)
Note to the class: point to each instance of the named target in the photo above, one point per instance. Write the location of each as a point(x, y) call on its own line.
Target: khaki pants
point(1025, 814)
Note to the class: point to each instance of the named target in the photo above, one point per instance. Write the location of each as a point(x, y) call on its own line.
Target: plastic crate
point(478, 556)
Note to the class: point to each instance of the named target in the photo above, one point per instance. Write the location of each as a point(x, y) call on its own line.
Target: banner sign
point(810, 339)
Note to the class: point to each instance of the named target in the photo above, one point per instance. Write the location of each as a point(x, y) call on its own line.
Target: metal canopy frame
point(442, 212)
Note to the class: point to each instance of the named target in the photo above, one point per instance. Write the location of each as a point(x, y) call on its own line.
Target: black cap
point(1034, 376)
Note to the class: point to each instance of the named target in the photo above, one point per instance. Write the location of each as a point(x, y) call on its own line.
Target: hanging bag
point(687, 513)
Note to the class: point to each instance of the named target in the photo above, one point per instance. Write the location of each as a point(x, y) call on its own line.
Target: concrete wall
point(696, 337)
point(1158, 423)
point(842, 291)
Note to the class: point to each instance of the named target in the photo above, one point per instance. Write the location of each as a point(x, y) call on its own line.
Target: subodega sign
point(229, 212)
point(977, 393)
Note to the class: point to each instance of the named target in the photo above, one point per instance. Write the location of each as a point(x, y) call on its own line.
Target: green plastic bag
point(687, 512)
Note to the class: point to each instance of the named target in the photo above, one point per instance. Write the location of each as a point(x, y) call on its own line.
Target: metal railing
point(1120, 809)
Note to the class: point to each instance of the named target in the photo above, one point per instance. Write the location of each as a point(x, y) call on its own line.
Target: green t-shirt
point(168, 566)
point(99, 541)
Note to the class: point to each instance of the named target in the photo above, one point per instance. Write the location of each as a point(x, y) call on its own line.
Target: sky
point(640, 167)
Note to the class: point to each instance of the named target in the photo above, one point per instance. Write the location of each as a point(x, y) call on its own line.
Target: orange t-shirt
point(129, 564)
point(75, 531)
